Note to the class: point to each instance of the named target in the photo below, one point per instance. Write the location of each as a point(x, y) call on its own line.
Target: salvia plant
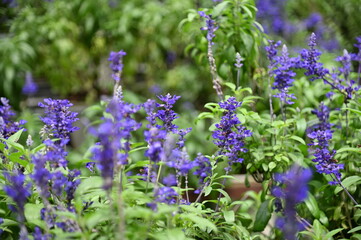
point(298, 140)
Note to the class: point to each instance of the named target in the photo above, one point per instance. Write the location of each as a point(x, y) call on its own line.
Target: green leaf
point(353, 110)
point(89, 183)
point(207, 190)
point(355, 229)
point(312, 205)
point(225, 194)
point(333, 232)
point(175, 233)
point(272, 165)
point(347, 182)
point(228, 216)
point(262, 217)
point(15, 137)
point(298, 139)
point(202, 223)
point(217, 10)
point(349, 149)
point(137, 149)
point(15, 145)
point(32, 214)
point(232, 86)
point(16, 157)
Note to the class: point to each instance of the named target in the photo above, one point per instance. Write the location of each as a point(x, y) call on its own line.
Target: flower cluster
point(283, 74)
point(230, 134)
point(7, 126)
point(239, 60)
point(166, 195)
point(321, 135)
point(59, 119)
point(292, 189)
point(116, 64)
point(345, 84)
point(179, 158)
point(357, 56)
point(114, 139)
point(19, 193)
point(204, 170)
point(272, 13)
point(155, 137)
point(210, 26)
point(310, 61)
point(167, 115)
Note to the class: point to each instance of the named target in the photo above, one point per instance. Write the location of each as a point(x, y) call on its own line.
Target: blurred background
point(60, 48)
point(64, 45)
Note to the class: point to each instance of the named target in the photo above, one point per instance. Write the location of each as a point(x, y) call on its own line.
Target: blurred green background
point(65, 44)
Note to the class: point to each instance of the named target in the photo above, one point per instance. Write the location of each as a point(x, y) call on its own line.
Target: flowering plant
point(138, 178)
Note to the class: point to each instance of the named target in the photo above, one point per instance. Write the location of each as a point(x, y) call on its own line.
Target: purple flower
point(204, 169)
point(283, 75)
point(41, 176)
point(59, 181)
point(292, 189)
point(210, 26)
point(166, 195)
point(56, 153)
point(323, 115)
point(230, 134)
point(271, 13)
point(116, 64)
point(239, 60)
point(59, 119)
point(71, 185)
point(38, 235)
point(310, 61)
point(16, 189)
point(90, 166)
point(312, 20)
point(346, 64)
point(7, 125)
point(30, 87)
point(167, 115)
point(170, 180)
point(323, 157)
point(357, 57)
point(144, 172)
point(271, 50)
point(345, 85)
point(114, 139)
point(155, 137)
point(149, 107)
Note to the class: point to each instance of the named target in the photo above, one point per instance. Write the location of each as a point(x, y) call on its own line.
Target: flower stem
point(220, 194)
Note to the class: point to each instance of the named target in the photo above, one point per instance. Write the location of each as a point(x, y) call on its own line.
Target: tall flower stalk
point(323, 157)
point(211, 28)
point(230, 135)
